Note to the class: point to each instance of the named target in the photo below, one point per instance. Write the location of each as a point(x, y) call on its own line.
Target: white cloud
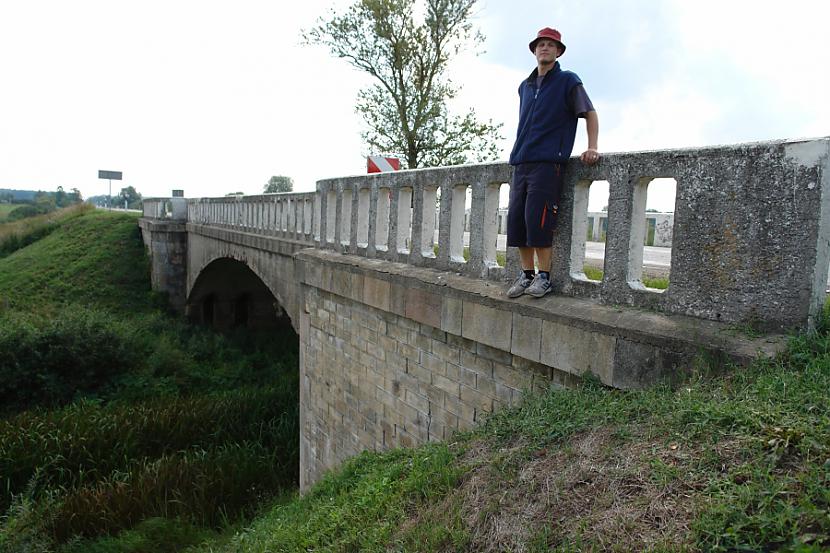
point(670, 115)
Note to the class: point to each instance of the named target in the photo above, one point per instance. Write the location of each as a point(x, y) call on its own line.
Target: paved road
point(653, 257)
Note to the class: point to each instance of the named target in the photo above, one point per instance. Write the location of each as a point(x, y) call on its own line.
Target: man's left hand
point(590, 156)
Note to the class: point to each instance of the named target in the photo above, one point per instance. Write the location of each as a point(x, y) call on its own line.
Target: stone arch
point(227, 293)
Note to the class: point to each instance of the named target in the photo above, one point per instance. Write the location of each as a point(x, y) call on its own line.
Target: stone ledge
point(161, 225)
point(625, 347)
point(269, 243)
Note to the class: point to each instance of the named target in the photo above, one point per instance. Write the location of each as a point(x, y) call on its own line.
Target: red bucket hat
point(547, 32)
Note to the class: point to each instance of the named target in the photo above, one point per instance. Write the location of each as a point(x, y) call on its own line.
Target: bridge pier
point(166, 242)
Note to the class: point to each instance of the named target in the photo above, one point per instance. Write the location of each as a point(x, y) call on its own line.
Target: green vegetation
point(127, 197)
point(278, 184)
point(407, 107)
point(725, 462)
point(5, 209)
point(22, 232)
point(121, 427)
point(19, 205)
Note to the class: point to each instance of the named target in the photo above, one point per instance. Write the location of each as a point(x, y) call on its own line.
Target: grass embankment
point(21, 233)
point(122, 428)
point(727, 462)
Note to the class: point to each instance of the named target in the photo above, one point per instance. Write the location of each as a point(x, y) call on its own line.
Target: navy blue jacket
point(547, 127)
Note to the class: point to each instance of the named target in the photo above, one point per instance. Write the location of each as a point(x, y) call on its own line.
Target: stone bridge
point(405, 339)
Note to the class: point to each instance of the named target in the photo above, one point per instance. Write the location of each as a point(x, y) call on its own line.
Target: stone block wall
point(371, 379)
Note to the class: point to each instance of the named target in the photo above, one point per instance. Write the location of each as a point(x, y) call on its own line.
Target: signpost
point(110, 176)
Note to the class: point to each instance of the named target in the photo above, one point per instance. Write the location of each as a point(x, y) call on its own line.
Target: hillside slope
point(122, 428)
point(95, 258)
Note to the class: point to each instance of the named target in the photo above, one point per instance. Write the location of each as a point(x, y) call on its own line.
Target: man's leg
point(517, 233)
point(526, 256)
point(541, 284)
point(544, 257)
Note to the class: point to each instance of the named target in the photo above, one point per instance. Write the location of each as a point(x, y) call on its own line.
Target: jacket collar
point(535, 73)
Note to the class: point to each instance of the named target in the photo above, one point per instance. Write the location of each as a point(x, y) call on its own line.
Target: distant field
point(5, 209)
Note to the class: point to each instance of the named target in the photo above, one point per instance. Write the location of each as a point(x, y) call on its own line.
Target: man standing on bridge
point(550, 102)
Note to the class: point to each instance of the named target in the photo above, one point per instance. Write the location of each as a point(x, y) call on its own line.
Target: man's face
point(547, 51)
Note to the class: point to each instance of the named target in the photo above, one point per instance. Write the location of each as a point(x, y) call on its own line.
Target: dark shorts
point(534, 204)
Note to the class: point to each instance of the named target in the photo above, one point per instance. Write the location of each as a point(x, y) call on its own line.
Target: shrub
point(24, 211)
point(52, 361)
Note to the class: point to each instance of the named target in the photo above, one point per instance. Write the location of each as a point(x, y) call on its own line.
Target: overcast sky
point(215, 97)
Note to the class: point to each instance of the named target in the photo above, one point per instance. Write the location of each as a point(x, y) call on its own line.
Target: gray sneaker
point(519, 286)
point(539, 287)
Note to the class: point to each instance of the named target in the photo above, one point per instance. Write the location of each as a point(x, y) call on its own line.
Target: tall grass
point(84, 442)
point(5, 209)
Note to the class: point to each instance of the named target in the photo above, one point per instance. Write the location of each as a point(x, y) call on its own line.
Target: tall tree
point(279, 184)
point(60, 197)
point(129, 197)
point(405, 110)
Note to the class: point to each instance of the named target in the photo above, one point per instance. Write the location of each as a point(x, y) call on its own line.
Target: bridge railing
point(165, 208)
point(751, 229)
point(750, 236)
point(392, 216)
point(286, 215)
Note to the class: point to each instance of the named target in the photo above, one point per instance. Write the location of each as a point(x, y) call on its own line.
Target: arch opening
point(227, 294)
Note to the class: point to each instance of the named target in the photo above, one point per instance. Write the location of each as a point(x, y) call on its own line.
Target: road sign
point(111, 175)
point(380, 164)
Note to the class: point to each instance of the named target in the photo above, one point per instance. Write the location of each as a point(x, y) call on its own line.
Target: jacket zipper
point(530, 116)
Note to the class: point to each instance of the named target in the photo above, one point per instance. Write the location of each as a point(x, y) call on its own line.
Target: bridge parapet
point(293, 215)
point(751, 235)
point(751, 239)
point(173, 209)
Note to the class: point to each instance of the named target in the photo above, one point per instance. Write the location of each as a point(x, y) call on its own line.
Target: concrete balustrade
point(287, 215)
point(750, 234)
point(174, 209)
point(750, 238)
point(392, 216)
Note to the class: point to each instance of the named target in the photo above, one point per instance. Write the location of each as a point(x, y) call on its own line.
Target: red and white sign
point(380, 164)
